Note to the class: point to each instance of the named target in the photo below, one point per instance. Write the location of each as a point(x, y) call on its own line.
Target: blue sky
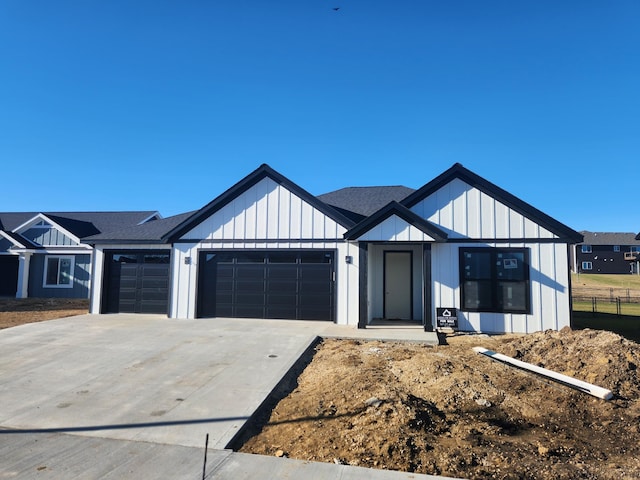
point(136, 105)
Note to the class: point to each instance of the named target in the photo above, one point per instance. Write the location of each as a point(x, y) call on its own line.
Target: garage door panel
point(282, 272)
point(287, 284)
point(137, 282)
point(248, 311)
point(282, 299)
point(281, 312)
point(250, 271)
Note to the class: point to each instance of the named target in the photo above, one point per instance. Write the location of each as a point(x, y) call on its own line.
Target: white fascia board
point(133, 246)
point(11, 239)
point(42, 216)
point(64, 251)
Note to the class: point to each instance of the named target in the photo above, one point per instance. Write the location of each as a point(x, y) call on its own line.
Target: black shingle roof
point(149, 232)
point(365, 201)
point(81, 224)
point(610, 238)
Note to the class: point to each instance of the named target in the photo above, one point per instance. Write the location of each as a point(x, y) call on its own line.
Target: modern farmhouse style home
point(458, 249)
point(43, 254)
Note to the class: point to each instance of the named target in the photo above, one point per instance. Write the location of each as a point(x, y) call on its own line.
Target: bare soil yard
point(446, 410)
point(14, 312)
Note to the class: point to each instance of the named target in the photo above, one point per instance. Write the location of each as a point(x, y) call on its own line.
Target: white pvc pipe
point(585, 387)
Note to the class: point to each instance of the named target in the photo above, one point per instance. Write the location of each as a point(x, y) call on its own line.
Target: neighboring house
point(267, 248)
point(606, 252)
point(43, 254)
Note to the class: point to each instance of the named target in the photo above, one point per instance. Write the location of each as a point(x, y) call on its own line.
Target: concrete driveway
point(129, 396)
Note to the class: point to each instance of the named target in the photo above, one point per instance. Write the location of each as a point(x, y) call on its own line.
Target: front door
point(397, 285)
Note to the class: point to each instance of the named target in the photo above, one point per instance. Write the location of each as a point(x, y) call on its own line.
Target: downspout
point(570, 292)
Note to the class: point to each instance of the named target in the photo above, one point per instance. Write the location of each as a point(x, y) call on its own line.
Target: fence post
point(618, 306)
point(594, 306)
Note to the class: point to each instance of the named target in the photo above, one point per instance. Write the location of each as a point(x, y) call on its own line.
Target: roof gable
point(44, 230)
point(395, 222)
point(253, 179)
point(523, 220)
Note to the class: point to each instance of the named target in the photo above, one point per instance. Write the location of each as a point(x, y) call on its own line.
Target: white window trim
point(46, 268)
point(586, 248)
point(587, 263)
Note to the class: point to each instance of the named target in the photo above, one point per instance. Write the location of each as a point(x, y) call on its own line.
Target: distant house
point(267, 248)
point(606, 252)
point(43, 254)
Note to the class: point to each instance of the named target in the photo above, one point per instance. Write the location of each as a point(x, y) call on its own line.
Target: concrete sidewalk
point(133, 396)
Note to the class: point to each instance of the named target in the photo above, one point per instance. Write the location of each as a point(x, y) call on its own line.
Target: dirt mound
point(446, 410)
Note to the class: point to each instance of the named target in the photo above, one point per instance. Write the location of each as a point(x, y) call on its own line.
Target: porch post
point(23, 275)
point(426, 288)
point(363, 286)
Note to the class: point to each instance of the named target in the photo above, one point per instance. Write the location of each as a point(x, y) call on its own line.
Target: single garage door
point(8, 275)
point(136, 282)
point(291, 284)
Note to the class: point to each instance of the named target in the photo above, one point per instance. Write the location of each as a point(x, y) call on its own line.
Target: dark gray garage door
point(8, 275)
point(291, 284)
point(136, 282)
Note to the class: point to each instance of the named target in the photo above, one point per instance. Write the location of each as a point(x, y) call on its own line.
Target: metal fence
point(626, 305)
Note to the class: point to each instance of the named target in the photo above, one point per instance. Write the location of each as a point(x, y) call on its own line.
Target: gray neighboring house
point(43, 254)
point(606, 252)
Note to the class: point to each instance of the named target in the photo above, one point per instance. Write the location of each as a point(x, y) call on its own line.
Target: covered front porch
point(397, 287)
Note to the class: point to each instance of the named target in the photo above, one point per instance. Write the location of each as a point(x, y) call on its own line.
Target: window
point(495, 280)
point(586, 248)
point(616, 248)
point(635, 249)
point(58, 272)
point(587, 265)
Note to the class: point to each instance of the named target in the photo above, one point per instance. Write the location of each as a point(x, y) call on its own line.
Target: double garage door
point(136, 282)
point(291, 284)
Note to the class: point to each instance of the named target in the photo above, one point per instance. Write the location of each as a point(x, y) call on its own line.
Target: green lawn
point(605, 281)
point(607, 307)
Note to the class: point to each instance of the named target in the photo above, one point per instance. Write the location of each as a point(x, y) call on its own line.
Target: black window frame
point(491, 281)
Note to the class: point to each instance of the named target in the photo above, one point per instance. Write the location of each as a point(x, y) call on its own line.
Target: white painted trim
point(72, 258)
point(11, 239)
point(23, 275)
point(42, 216)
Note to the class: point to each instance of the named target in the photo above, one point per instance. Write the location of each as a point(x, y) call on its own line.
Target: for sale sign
point(447, 318)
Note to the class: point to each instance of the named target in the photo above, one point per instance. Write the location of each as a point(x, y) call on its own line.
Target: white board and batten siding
point(395, 229)
point(466, 212)
point(265, 216)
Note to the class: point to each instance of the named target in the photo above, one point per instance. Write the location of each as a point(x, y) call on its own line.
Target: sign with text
point(447, 318)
